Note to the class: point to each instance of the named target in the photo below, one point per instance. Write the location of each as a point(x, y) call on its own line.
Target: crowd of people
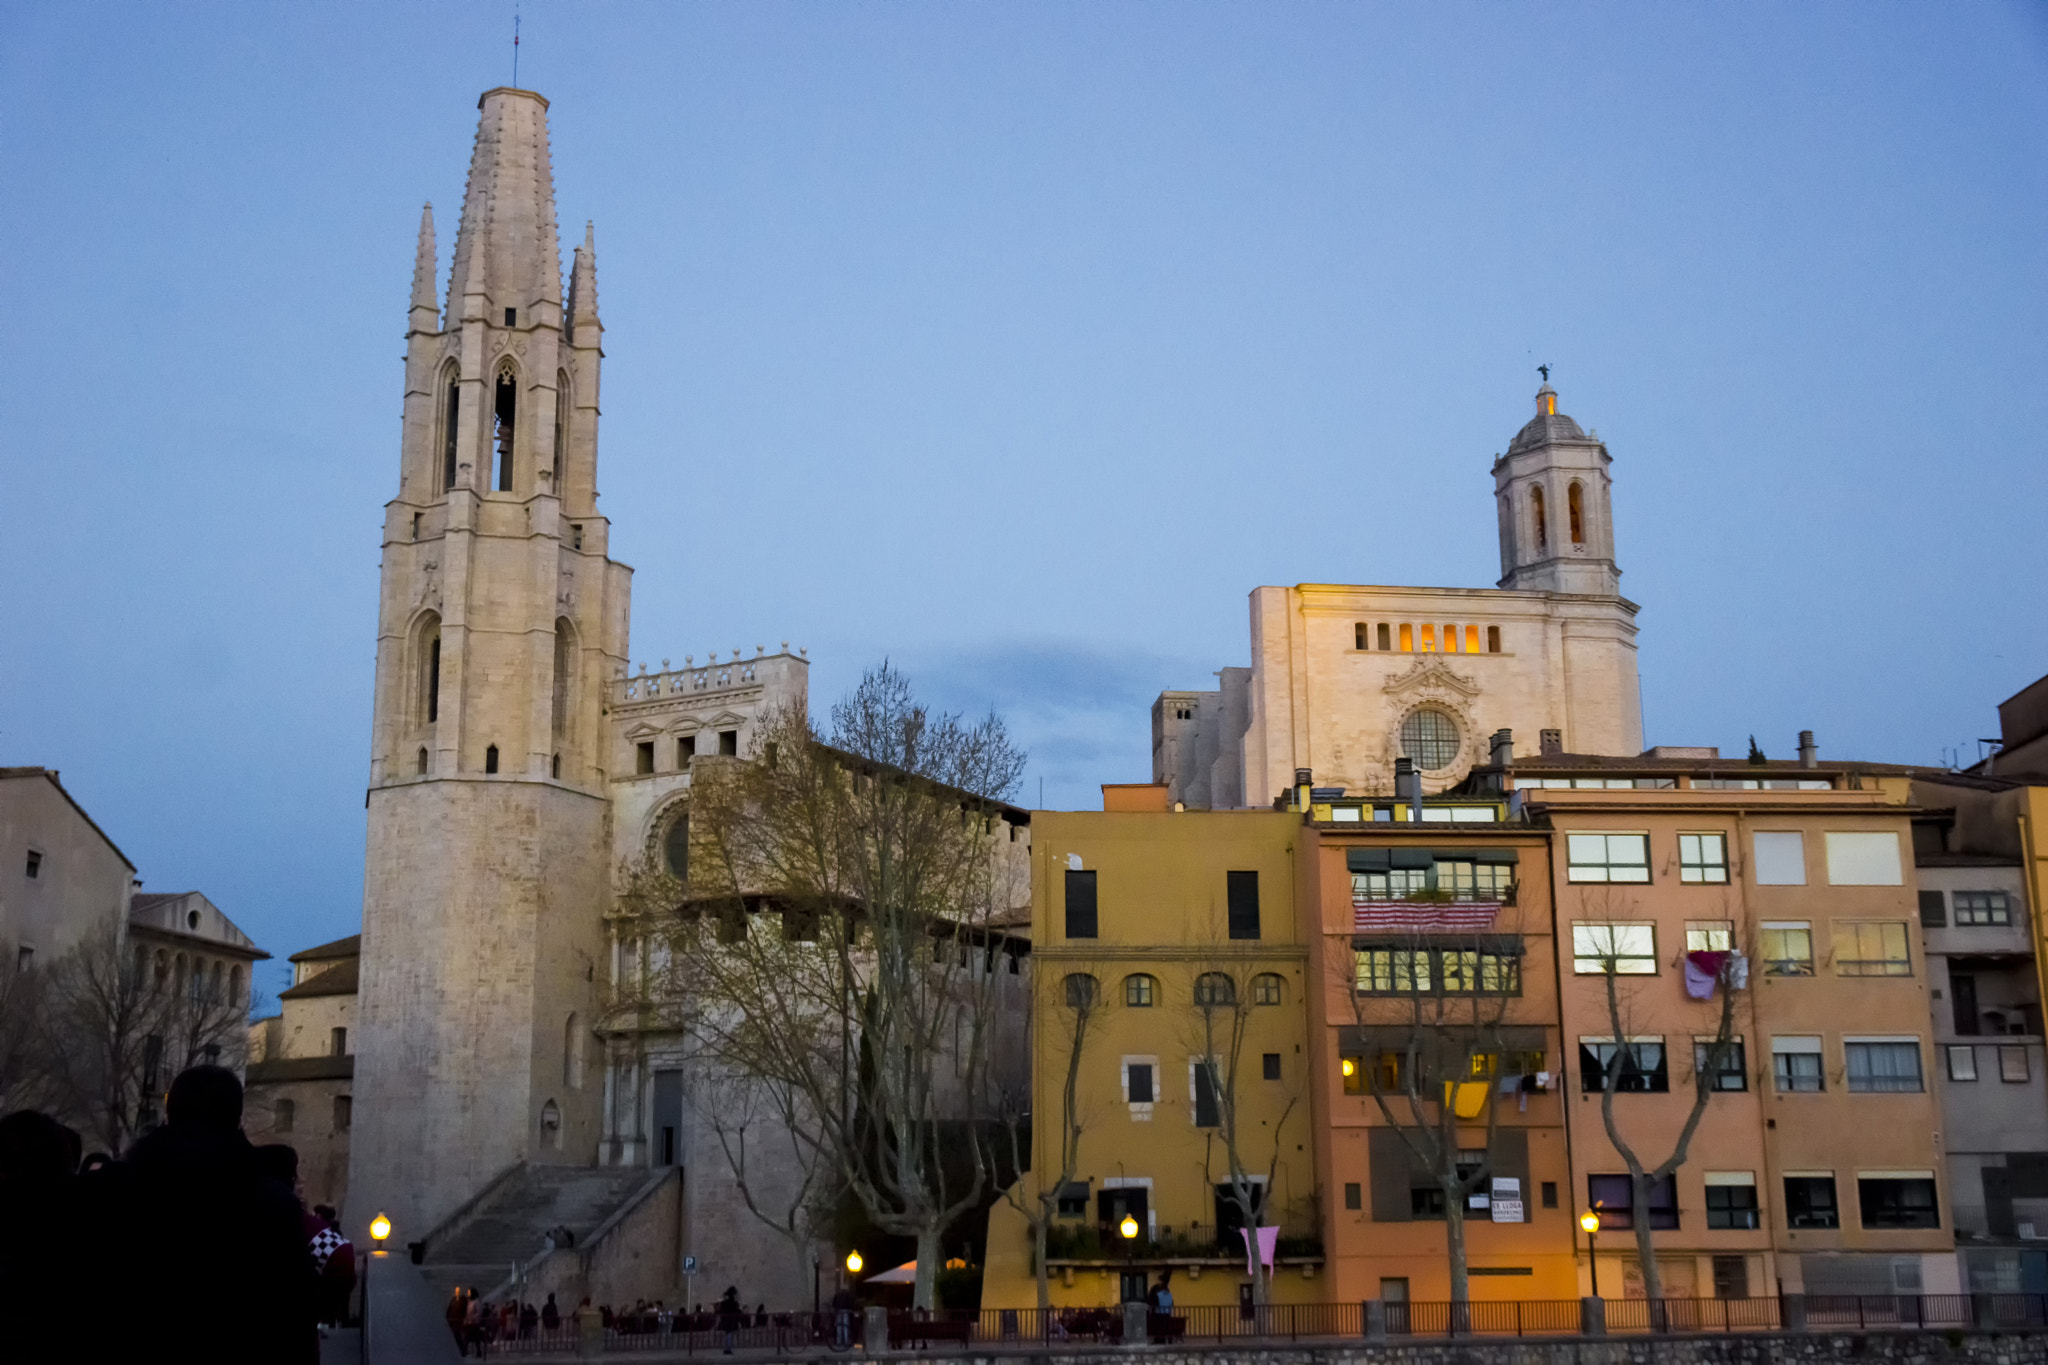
point(194, 1229)
point(479, 1325)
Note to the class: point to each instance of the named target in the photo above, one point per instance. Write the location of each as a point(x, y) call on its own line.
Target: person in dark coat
point(226, 1275)
point(41, 1280)
point(730, 1316)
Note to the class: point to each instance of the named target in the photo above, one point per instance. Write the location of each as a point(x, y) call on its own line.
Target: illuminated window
point(1623, 949)
point(1450, 639)
point(1407, 638)
point(1429, 639)
point(1575, 507)
point(1472, 640)
point(1872, 948)
point(1788, 948)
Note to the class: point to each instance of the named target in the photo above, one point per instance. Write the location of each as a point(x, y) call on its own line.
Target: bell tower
point(501, 618)
point(1556, 520)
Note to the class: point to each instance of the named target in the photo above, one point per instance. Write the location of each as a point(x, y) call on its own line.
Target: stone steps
point(511, 1223)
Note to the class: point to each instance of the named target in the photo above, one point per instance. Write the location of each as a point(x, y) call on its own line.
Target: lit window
point(1450, 639)
point(1871, 948)
point(1982, 907)
point(1623, 949)
point(1883, 1067)
point(1472, 640)
point(1139, 991)
point(1703, 858)
point(1429, 639)
point(1709, 935)
point(1607, 857)
point(1407, 638)
point(1788, 948)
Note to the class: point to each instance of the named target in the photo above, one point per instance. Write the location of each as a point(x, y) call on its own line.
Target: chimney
point(1408, 786)
point(1552, 743)
point(1304, 778)
point(1503, 749)
point(1809, 755)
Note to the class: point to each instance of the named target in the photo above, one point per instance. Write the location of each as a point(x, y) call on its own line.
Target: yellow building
point(1164, 940)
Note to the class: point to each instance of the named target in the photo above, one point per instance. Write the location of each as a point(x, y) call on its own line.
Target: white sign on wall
point(1506, 1203)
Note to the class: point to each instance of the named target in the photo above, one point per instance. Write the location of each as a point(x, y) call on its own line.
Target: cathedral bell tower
point(1556, 521)
point(501, 620)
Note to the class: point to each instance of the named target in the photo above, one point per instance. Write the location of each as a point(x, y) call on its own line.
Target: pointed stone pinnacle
point(423, 264)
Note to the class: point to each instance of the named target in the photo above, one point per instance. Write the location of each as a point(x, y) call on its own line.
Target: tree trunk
point(1454, 1244)
point(1039, 1228)
point(927, 1267)
point(1646, 1250)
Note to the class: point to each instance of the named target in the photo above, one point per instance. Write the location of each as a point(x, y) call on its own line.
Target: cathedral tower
point(1556, 522)
point(501, 620)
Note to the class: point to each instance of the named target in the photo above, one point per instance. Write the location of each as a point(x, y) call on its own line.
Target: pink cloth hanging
point(1702, 970)
point(1268, 1243)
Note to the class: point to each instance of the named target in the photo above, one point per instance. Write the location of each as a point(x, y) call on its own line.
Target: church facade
point(518, 770)
point(1344, 679)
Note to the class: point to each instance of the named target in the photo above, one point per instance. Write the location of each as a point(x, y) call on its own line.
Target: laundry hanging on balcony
point(1702, 970)
point(1422, 917)
point(1261, 1251)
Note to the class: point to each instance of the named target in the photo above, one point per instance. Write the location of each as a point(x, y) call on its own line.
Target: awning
point(902, 1274)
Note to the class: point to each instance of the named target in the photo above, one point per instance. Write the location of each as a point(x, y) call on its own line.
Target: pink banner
point(1423, 917)
point(1269, 1241)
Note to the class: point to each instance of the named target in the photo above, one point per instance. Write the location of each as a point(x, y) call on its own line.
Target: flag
point(1426, 917)
point(1260, 1252)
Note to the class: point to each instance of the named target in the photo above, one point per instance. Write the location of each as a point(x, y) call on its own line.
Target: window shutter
point(1080, 904)
point(1933, 910)
point(1244, 904)
point(1205, 1095)
point(1390, 1160)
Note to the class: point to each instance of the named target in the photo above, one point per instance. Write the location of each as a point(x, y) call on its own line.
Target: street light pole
point(1590, 1221)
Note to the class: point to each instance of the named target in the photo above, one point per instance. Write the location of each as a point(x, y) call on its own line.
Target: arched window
point(451, 422)
point(1493, 639)
point(1450, 639)
point(1215, 988)
point(1575, 508)
point(555, 766)
point(1080, 989)
point(491, 759)
point(217, 986)
point(565, 672)
point(1386, 636)
point(1542, 524)
point(427, 665)
point(1268, 989)
point(572, 1052)
point(163, 966)
point(420, 762)
point(1359, 637)
point(561, 425)
point(551, 1125)
point(235, 986)
point(1407, 638)
point(1140, 991)
point(1471, 639)
point(504, 417)
point(1429, 639)
point(675, 847)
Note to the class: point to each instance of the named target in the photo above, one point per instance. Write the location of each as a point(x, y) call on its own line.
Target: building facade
point(302, 1068)
point(1344, 679)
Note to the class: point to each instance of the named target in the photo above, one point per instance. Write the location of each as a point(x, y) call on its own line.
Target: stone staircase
point(507, 1223)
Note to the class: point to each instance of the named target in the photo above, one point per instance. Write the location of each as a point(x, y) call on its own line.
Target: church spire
point(506, 247)
point(583, 283)
point(423, 276)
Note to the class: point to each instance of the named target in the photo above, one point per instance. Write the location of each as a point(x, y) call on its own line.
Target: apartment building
point(1173, 935)
point(1817, 1163)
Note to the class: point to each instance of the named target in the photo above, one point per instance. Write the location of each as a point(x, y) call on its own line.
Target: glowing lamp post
point(1590, 1221)
point(380, 1228)
point(1129, 1228)
point(854, 1263)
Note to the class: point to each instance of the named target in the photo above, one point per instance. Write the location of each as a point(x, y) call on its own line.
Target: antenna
point(515, 47)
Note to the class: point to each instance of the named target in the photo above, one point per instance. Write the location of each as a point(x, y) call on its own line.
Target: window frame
point(1869, 1183)
point(1736, 1066)
point(1649, 1077)
point(1854, 1048)
point(1070, 987)
point(1141, 991)
point(1842, 964)
point(1786, 966)
point(1734, 1215)
point(1809, 1182)
point(1269, 984)
point(2008, 1051)
point(1241, 892)
point(1599, 958)
point(1150, 1066)
point(1967, 1053)
point(1082, 917)
point(1582, 873)
point(1994, 911)
point(1780, 1075)
point(1760, 861)
point(1698, 870)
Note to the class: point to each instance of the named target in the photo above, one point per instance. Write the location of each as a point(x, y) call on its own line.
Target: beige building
point(302, 1068)
point(519, 774)
point(1344, 679)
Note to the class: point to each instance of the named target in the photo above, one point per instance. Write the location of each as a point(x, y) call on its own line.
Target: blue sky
point(1017, 343)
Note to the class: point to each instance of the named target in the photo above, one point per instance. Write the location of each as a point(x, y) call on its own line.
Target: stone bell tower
point(500, 618)
point(1556, 517)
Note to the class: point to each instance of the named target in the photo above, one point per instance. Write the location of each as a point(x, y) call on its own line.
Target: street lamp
point(1129, 1228)
point(853, 1263)
point(1590, 1221)
point(380, 1228)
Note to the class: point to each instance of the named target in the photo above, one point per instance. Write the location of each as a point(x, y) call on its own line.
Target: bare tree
point(1612, 943)
point(1431, 1010)
point(1219, 1027)
point(103, 1037)
point(24, 1070)
point(1070, 1007)
point(878, 845)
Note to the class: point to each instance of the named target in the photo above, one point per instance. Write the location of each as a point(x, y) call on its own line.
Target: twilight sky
point(1017, 343)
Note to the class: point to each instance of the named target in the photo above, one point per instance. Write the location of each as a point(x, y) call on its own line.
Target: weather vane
point(1544, 370)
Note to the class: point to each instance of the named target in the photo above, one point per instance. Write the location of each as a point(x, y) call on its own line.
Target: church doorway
point(668, 1118)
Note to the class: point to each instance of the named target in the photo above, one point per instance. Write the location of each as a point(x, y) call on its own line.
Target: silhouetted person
point(41, 1277)
point(730, 1316)
point(227, 1276)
